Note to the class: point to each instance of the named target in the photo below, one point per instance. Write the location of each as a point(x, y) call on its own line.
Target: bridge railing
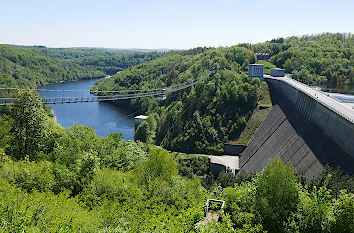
point(7, 101)
point(112, 95)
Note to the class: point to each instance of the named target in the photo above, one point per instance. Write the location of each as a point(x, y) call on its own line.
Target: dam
point(306, 127)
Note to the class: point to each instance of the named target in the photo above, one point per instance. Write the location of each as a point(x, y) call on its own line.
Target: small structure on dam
point(256, 71)
point(277, 72)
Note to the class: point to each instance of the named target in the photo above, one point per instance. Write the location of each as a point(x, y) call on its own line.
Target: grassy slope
point(257, 117)
point(267, 66)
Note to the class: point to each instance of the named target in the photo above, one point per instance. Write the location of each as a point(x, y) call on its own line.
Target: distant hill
point(108, 60)
point(25, 68)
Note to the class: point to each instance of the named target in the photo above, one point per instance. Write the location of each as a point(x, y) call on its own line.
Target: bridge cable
point(180, 116)
point(138, 94)
point(178, 119)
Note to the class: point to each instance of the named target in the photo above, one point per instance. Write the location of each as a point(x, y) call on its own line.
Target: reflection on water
point(342, 89)
point(342, 97)
point(104, 118)
point(343, 93)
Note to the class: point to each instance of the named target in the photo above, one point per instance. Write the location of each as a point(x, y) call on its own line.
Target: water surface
point(103, 117)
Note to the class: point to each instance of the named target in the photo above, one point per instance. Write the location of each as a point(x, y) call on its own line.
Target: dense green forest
point(55, 179)
point(198, 119)
point(109, 61)
point(24, 68)
point(33, 66)
point(326, 58)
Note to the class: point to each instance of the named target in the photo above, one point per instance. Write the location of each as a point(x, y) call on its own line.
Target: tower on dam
point(256, 71)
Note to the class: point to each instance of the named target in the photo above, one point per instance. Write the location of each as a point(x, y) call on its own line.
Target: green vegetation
point(192, 165)
point(55, 179)
point(110, 61)
point(107, 60)
point(201, 118)
point(24, 68)
point(251, 127)
point(267, 66)
point(75, 181)
point(29, 125)
point(318, 59)
point(259, 114)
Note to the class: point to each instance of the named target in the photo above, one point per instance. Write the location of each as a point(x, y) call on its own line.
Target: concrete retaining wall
point(230, 149)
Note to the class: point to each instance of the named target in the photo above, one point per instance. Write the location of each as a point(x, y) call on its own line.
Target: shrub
point(159, 164)
point(314, 213)
point(43, 212)
point(343, 212)
point(29, 175)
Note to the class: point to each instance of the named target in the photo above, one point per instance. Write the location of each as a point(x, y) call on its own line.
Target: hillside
point(25, 68)
point(200, 118)
point(326, 58)
point(109, 61)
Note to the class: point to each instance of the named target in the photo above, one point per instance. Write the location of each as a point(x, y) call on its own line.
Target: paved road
point(344, 109)
point(228, 161)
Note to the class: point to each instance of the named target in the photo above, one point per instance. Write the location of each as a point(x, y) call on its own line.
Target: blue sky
point(167, 24)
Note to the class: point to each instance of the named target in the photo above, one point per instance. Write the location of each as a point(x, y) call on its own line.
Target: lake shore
point(54, 116)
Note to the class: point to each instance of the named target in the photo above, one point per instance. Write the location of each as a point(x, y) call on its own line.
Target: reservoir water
point(103, 117)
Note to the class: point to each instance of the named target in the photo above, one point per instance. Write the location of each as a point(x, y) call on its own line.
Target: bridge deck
point(112, 95)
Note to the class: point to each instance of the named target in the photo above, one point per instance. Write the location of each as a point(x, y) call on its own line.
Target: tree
point(29, 126)
point(315, 211)
point(5, 127)
point(143, 133)
point(159, 164)
point(277, 194)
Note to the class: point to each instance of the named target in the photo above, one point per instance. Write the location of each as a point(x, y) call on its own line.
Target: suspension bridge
point(104, 96)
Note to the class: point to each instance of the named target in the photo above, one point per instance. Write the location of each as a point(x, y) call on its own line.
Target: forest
point(34, 66)
point(110, 61)
point(313, 59)
point(23, 68)
point(55, 179)
point(203, 117)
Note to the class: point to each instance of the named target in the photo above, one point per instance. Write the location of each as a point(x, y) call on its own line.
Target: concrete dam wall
point(338, 126)
point(303, 129)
